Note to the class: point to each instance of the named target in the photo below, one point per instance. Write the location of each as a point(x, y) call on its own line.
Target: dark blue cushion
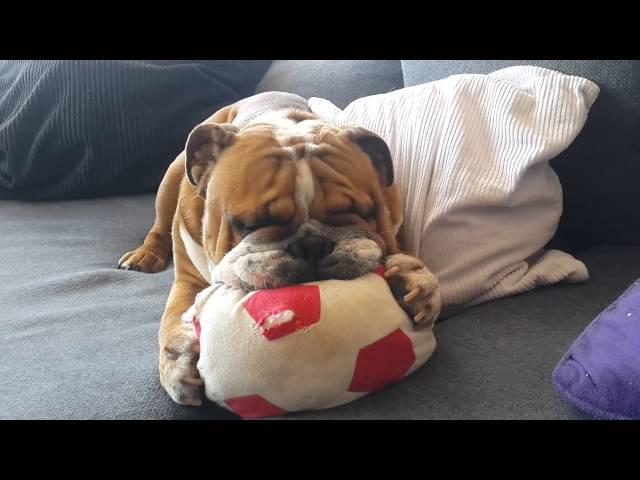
point(71, 129)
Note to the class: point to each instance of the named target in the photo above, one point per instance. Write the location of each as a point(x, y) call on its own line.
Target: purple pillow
point(600, 374)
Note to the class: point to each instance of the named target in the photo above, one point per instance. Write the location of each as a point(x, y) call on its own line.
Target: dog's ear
point(205, 144)
point(376, 148)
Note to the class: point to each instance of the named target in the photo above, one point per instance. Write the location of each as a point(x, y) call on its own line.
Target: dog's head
point(293, 203)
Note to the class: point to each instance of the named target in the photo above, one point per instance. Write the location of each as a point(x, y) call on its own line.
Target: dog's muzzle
point(315, 252)
point(312, 248)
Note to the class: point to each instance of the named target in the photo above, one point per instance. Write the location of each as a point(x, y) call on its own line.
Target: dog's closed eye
point(245, 227)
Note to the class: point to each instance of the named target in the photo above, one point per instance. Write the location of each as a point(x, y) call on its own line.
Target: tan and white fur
point(266, 194)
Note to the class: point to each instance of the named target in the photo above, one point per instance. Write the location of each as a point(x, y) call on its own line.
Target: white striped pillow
point(471, 157)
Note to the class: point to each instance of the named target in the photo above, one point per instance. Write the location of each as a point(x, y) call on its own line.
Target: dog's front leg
point(179, 346)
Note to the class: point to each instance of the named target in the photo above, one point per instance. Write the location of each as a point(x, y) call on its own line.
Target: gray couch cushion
point(340, 81)
point(79, 338)
point(599, 171)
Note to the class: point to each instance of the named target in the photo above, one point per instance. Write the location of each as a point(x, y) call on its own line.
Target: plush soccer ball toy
point(303, 347)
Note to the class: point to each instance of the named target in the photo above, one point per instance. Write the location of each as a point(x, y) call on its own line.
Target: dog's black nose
point(312, 248)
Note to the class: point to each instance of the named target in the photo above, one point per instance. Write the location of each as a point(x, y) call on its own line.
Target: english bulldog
point(266, 194)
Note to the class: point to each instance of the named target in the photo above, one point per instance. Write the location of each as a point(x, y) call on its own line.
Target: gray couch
point(79, 338)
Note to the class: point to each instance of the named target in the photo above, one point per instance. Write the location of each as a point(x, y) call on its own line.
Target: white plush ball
point(303, 347)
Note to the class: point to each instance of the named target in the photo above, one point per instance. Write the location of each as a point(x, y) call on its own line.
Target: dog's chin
point(278, 269)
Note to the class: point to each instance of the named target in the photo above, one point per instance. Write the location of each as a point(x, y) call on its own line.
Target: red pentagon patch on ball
point(382, 362)
point(281, 311)
point(253, 406)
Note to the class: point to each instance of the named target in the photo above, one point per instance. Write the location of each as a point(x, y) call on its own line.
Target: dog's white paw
point(178, 372)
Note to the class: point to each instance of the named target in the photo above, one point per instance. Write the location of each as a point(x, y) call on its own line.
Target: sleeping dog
point(264, 195)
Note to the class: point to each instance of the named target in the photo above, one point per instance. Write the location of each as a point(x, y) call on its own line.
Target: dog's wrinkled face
point(292, 203)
